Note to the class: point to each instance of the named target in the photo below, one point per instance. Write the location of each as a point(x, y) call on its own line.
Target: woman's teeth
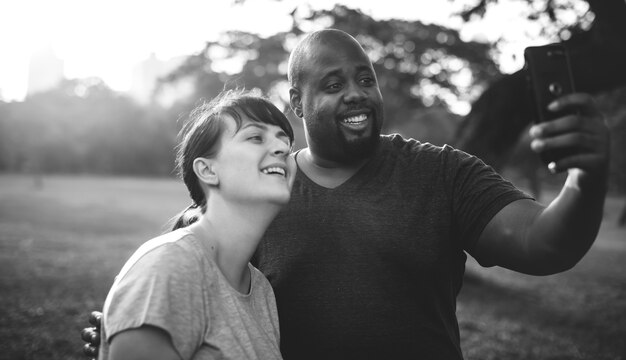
point(274, 170)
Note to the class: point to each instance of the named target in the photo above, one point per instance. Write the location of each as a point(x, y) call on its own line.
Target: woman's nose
point(280, 147)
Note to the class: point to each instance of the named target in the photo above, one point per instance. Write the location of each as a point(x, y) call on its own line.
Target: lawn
point(62, 243)
point(578, 314)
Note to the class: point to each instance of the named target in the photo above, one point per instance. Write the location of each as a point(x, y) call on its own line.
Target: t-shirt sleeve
point(478, 194)
point(161, 288)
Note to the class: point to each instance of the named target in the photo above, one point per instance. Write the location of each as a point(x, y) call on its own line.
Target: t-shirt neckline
point(348, 183)
point(219, 271)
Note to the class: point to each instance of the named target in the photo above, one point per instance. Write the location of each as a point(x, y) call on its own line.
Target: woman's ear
point(295, 101)
point(205, 171)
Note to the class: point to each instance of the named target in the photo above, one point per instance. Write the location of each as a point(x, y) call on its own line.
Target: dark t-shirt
point(372, 268)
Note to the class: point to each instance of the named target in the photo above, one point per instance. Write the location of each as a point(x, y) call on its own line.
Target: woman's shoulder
point(167, 244)
point(164, 252)
point(260, 283)
point(257, 275)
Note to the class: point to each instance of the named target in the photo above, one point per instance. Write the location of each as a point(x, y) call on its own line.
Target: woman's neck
point(233, 233)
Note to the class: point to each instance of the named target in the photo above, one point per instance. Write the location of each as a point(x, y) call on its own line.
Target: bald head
point(300, 56)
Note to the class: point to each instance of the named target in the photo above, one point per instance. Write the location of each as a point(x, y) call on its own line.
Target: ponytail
point(188, 216)
point(201, 135)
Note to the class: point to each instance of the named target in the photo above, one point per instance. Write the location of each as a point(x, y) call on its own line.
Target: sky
point(107, 38)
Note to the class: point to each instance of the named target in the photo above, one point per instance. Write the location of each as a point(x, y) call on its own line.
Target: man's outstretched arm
point(528, 237)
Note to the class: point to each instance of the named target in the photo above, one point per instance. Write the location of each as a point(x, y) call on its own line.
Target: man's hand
point(531, 238)
point(91, 335)
point(583, 131)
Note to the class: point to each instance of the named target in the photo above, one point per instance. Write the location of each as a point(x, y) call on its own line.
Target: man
point(367, 259)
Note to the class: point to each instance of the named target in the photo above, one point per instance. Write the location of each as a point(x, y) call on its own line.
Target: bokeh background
point(93, 93)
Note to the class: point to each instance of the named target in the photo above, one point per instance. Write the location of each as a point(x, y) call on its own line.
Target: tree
point(83, 126)
point(428, 66)
point(418, 65)
point(504, 110)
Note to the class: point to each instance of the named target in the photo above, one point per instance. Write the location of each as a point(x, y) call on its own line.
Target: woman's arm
point(143, 343)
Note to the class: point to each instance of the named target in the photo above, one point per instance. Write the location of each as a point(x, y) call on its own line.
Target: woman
point(192, 293)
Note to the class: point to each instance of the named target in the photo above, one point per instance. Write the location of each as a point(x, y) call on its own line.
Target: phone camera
point(555, 89)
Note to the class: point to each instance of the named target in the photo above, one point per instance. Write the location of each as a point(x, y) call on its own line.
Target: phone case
point(549, 76)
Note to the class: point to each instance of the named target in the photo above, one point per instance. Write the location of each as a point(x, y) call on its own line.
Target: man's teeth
point(355, 119)
point(274, 170)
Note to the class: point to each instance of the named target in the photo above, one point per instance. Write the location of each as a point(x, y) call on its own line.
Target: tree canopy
point(595, 42)
point(428, 74)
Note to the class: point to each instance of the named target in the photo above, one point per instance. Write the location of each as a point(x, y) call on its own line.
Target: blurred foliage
point(594, 32)
point(417, 65)
point(83, 126)
point(559, 18)
point(427, 74)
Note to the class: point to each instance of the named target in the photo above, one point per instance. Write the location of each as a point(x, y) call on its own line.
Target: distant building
point(147, 73)
point(45, 71)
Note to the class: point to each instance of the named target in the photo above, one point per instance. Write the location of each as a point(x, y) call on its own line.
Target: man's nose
point(354, 92)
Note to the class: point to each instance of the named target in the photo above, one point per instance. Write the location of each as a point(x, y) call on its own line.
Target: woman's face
point(254, 162)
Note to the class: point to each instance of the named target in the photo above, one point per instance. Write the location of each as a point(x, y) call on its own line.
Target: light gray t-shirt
point(172, 283)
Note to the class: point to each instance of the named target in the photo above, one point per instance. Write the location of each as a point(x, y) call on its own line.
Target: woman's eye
point(257, 138)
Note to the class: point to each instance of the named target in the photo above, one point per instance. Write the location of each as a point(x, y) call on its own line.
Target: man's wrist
point(587, 183)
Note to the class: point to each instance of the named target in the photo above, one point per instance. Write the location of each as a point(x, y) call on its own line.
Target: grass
point(60, 247)
point(62, 243)
point(578, 314)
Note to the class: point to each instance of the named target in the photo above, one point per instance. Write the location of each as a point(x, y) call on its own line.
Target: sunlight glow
point(107, 38)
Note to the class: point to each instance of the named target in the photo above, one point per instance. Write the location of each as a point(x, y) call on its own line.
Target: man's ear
point(295, 101)
point(205, 171)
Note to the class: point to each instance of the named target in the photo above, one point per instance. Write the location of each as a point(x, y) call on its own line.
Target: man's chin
point(362, 148)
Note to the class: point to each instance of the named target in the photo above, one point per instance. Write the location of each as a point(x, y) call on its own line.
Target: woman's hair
point(201, 134)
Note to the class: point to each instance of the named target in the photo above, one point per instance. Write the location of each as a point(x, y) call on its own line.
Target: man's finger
point(90, 350)
point(581, 101)
point(95, 318)
point(87, 333)
point(95, 338)
point(554, 127)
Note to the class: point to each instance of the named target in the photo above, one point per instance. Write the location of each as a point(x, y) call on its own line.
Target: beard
point(335, 145)
point(360, 148)
point(328, 138)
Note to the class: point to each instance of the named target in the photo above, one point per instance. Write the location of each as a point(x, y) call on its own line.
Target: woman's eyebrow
point(254, 124)
point(280, 133)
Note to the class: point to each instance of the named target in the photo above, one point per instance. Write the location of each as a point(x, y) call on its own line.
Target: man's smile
point(356, 122)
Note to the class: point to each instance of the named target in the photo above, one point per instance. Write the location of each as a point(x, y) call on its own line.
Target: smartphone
point(549, 76)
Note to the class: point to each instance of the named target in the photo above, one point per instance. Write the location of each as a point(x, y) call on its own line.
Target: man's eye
point(367, 81)
point(333, 86)
point(257, 138)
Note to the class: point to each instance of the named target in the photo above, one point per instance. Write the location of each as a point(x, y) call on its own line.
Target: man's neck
point(324, 172)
